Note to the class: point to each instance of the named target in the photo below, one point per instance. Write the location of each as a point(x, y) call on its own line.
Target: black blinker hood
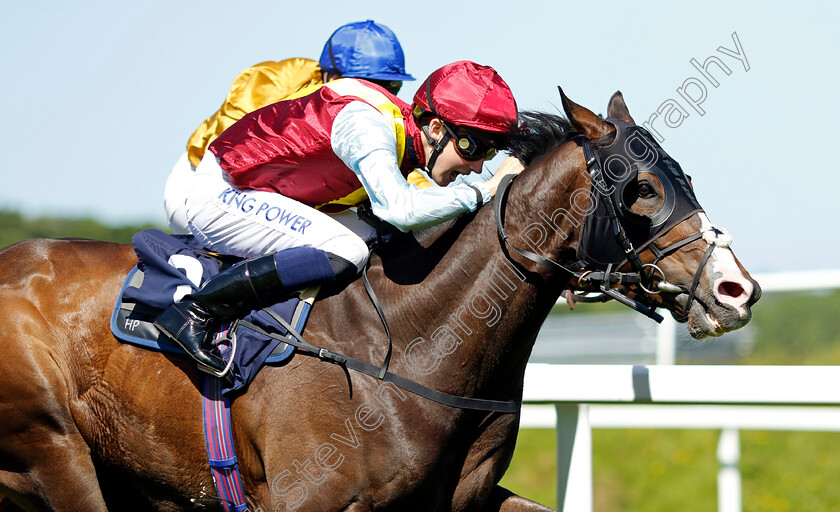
point(633, 151)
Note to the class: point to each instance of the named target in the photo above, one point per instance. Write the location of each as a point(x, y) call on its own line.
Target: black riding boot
point(192, 322)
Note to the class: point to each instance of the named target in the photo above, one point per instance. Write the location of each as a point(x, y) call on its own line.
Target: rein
point(381, 372)
point(608, 277)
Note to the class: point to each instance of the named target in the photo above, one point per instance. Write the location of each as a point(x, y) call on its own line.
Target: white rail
point(799, 281)
point(682, 384)
point(664, 396)
point(709, 417)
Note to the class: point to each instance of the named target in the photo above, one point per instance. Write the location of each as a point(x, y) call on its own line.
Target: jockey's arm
point(364, 140)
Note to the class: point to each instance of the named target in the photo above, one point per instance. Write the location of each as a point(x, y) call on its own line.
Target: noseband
point(610, 275)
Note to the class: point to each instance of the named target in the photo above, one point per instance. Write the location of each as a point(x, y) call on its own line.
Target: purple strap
point(220, 452)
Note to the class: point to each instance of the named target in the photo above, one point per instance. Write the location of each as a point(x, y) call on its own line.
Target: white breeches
point(252, 223)
point(175, 195)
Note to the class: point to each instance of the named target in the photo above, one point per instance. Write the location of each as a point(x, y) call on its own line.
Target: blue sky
point(100, 97)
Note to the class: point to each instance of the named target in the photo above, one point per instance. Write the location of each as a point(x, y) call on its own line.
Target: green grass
point(533, 471)
point(676, 470)
point(797, 328)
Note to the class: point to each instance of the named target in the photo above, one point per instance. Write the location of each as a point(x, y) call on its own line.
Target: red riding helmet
point(468, 94)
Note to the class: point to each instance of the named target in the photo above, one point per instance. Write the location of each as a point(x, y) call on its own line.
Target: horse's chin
point(711, 320)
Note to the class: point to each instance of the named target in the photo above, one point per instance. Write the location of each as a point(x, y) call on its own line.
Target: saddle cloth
point(165, 261)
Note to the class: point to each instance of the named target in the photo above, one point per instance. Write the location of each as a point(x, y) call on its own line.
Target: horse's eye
point(645, 190)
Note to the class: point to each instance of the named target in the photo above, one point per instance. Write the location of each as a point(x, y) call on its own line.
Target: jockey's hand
point(511, 165)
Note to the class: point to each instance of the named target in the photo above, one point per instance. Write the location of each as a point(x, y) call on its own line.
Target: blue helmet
point(364, 49)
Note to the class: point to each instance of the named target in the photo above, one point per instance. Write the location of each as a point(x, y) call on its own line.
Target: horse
point(90, 424)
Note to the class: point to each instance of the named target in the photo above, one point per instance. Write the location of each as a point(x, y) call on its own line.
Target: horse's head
point(645, 238)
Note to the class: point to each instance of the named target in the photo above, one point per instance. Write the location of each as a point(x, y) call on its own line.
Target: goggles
point(392, 86)
point(470, 147)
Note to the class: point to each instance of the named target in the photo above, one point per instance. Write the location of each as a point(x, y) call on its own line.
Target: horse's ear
point(585, 122)
point(617, 108)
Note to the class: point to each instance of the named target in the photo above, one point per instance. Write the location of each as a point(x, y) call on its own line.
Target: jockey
point(363, 49)
point(276, 187)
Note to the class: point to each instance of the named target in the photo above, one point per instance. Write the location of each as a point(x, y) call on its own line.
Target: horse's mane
point(540, 133)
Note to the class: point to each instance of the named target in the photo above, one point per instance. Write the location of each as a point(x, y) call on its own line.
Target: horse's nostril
point(730, 289)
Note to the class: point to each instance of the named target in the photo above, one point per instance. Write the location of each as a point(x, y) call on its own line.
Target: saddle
point(171, 266)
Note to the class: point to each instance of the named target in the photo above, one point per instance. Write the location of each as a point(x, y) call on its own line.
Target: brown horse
point(89, 424)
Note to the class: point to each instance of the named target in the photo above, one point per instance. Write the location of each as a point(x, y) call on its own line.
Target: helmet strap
point(332, 57)
point(437, 146)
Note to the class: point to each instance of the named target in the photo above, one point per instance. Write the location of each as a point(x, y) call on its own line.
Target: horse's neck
point(466, 313)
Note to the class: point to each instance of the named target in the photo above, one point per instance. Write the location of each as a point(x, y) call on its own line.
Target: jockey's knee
point(345, 270)
point(351, 249)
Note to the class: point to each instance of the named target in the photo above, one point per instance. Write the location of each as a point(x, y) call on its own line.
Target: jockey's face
point(449, 163)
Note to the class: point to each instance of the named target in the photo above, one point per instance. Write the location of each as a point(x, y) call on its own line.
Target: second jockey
point(363, 49)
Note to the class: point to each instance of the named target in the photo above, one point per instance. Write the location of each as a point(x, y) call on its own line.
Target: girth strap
point(220, 450)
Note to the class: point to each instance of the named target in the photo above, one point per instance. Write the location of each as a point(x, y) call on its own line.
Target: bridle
point(610, 276)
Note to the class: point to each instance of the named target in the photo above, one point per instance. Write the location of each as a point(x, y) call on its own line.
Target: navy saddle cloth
point(170, 267)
